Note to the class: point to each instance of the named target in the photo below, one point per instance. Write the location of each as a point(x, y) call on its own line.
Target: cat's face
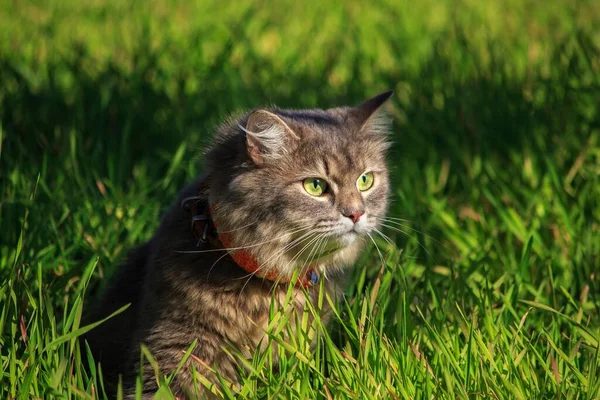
point(302, 188)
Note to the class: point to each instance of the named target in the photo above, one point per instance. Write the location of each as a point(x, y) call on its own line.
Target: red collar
point(205, 229)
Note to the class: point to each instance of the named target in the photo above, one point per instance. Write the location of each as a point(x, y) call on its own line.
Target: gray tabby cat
point(289, 198)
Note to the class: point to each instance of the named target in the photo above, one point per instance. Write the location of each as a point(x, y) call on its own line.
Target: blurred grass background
point(105, 106)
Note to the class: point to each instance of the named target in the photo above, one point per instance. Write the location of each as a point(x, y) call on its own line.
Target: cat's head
point(300, 188)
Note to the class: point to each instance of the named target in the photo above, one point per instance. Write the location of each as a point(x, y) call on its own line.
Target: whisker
point(215, 263)
point(297, 256)
point(275, 257)
point(280, 253)
point(227, 253)
point(411, 228)
point(385, 237)
point(240, 228)
point(392, 218)
point(313, 254)
point(377, 248)
point(418, 242)
point(312, 243)
point(318, 247)
point(396, 229)
point(252, 274)
point(241, 247)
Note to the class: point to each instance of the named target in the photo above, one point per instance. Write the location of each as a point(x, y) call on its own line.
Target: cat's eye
point(315, 186)
point(365, 181)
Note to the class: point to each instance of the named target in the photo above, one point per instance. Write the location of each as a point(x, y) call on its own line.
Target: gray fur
point(179, 295)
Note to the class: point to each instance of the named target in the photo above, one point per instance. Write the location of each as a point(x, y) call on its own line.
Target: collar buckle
point(200, 221)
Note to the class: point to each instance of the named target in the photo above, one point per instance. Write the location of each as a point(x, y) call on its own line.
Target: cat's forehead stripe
point(326, 165)
point(341, 167)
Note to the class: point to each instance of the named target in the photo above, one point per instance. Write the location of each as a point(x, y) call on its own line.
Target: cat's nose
point(354, 215)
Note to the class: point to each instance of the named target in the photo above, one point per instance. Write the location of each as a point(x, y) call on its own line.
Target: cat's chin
point(338, 246)
point(349, 238)
point(343, 257)
point(337, 253)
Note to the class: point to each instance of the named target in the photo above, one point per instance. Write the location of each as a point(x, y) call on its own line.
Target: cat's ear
point(366, 114)
point(267, 136)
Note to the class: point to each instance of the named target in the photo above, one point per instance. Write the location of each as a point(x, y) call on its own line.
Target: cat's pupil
point(364, 178)
point(316, 183)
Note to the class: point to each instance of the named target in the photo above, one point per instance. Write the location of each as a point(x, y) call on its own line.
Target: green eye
point(365, 181)
point(315, 186)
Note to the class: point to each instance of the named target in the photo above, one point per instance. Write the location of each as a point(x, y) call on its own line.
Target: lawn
point(489, 283)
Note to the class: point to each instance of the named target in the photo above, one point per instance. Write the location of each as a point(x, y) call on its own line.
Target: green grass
point(495, 293)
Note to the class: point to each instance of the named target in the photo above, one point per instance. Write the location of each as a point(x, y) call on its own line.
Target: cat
point(293, 196)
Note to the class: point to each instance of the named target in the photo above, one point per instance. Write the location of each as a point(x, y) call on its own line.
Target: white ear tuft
point(369, 116)
point(378, 123)
point(266, 136)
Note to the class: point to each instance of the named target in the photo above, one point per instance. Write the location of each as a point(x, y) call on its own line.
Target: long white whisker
point(279, 254)
point(286, 248)
point(215, 263)
point(311, 256)
point(393, 218)
point(385, 237)
point(227, 253)
point(241, 247)
point(310, 242)
point(275, 257)
point(396, 229)
point(376, 247)
point(240, 228)
point(321, 244)
point(297, 256)
point(411, 228)
point(401, 231)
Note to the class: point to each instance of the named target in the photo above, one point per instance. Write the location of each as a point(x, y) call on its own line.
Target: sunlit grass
point(491, 287)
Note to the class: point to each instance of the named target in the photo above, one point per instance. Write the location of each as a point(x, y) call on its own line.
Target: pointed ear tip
point(380, 98)
point(386, 95)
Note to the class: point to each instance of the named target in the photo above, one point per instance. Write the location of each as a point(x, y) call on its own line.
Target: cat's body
point(172, 307)
point(182, 290)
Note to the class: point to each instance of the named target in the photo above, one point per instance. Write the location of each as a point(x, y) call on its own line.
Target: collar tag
point(314, 278)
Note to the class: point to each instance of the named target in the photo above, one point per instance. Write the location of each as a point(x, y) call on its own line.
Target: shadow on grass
point(111, 119)
point(123, 117)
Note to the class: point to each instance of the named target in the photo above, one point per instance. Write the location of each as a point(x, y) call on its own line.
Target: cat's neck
point(205, 230)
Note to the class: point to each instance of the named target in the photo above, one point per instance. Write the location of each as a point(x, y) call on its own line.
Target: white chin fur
point(350, 242)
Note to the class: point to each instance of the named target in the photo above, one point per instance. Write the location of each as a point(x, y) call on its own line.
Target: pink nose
point(354, 215)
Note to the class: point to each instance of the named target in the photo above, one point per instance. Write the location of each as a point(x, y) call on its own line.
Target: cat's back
point(111, 342)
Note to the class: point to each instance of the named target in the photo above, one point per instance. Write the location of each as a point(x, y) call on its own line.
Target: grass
point(493, 289)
